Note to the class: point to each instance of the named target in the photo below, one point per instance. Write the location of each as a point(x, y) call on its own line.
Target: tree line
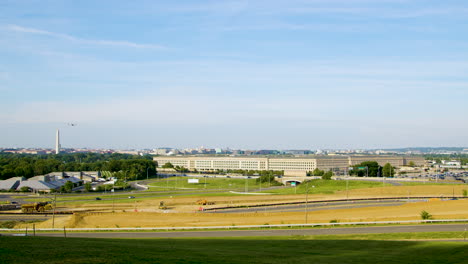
point(124, 166)
point(372, 169)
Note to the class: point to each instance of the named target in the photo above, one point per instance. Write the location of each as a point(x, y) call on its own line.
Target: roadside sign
point(293, 183)
point(362, 168)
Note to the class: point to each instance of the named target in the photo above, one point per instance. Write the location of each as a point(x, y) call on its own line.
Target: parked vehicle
point(36, 207)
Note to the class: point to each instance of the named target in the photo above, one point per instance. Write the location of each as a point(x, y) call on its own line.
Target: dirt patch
point(183, 211)
point(409, 211)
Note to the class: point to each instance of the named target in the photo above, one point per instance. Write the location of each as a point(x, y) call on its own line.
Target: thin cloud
point(128, 44)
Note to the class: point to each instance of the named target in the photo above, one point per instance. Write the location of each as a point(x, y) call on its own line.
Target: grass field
point(326, 187)
point(430, 183)
point(294, 249)
point(211, 183)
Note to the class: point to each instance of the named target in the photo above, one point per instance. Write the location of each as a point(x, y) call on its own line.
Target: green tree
point(88, 187)
point(68, 186)
point(388, 170)
point(425, 215)
point(411, 164)
point(327, 175)
point(318, 172)
point(366, 168)
point(168, 165)
point(25, 189)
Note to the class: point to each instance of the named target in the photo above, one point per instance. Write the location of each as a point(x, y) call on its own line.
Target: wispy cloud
point(128, 44)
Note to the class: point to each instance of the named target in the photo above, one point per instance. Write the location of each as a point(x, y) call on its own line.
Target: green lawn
point(211, 183)
point(326, 186)
point(430, 183)
point(293, 249)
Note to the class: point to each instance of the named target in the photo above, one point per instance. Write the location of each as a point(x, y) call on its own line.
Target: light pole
point(113, 199)
point(246, 184)
point(147, 173)
point(53, 212)
point(347, 188)
point(307, 200)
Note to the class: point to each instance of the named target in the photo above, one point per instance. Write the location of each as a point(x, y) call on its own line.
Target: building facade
point(291, 165)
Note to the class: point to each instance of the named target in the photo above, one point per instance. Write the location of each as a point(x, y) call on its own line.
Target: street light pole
point(307, 200)
point(246, 184)
point(147, 173)
point(53, 212)
point(347, 188)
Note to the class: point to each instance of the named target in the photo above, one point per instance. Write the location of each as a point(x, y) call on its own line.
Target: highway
point(311, 206)
point(273, 232)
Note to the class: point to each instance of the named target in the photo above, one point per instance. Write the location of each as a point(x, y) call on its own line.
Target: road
point(274, 232)
point(311, 206)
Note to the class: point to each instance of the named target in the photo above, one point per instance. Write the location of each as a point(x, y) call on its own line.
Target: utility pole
point(53, 212)
point(246, 184)
point(346, 188)
point(307, 201)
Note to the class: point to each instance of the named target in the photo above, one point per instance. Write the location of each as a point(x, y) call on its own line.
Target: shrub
point(465, 193)
point(8, 224)
point(425, 215)
point(25, 189)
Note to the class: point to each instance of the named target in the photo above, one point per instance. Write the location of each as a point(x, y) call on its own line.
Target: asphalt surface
point(311, 206)
point(266, 233)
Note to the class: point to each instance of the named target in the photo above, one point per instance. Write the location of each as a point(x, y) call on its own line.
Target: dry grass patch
point(409, 211)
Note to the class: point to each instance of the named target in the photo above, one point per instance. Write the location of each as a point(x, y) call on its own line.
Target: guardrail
point(331, 201)
point(240, 226)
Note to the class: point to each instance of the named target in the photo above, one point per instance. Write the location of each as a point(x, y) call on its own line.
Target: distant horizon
point(282, 74)
point(233, 148)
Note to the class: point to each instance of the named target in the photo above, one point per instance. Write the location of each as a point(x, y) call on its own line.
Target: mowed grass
point(430, 183)
point(326, 187)
point(294, 249)
point(211, 183)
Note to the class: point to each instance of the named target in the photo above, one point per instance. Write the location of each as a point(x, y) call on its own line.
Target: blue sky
point(271, 74)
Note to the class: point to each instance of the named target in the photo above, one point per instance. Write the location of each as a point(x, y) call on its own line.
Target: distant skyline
point(297, 74)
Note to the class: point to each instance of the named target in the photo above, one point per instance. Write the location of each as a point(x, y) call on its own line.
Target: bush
point(465, 193)
point(425, 215)
point(25, 189)
point(327, 175)
point(8, 224)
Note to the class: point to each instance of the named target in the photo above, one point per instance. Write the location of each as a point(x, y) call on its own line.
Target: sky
point(264, 74)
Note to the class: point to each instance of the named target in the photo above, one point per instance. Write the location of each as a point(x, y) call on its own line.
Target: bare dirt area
point(183, 211)
point(411, 211)
point(181, 204)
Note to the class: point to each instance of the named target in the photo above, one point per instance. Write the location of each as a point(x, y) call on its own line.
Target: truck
point(204, 202)
point(36, 207)
point(162, 205)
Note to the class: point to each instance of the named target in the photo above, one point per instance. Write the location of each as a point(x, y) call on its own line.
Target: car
point(131, 197)
point(98, 199)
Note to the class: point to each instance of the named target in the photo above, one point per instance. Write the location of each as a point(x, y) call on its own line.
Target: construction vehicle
point(204, 202)
point(36, 207)
point(162, 205)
